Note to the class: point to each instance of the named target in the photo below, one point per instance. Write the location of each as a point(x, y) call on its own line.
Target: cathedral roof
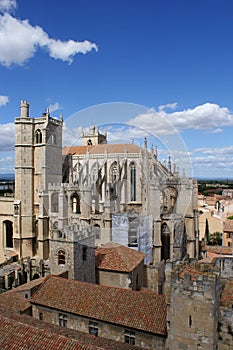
point(142, 311)
point(101, 149)
point(116, 257)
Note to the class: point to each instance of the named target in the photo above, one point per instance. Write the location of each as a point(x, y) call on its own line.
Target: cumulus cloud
point(19, 41)
point(215, 150)
point(7, 5)
point(168, 106)
point(3, 100)
point(7, 136)
point(54, 107)
point(208, 116)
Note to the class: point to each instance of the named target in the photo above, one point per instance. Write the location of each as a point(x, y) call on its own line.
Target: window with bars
point(129, 337)
point(93, 328)
point(63, 320)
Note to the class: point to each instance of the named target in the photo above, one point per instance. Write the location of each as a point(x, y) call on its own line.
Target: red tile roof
point(101, 149)
point(14, 301)
point(228, 225)
point(115, 257)
point(142, 311)
point(220, 250)
point(29, 285)
point(26, 333)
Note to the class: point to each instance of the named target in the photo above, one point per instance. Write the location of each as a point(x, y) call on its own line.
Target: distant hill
point(7, 177)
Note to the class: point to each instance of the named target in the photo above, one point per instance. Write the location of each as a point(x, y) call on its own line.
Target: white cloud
point(215, 150)
point(7, 5)
point(7, 136)
point(208, 117)
point(19, 41)
point(54, 107)
point(169, 106)
point(65, 51)
point(3, 100)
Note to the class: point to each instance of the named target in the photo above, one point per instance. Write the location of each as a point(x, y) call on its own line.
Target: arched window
point(132, 182)
point(75, 202)
point(54, 202)
point(96, 230)
point(61, 257)
point(36, 276)
point(89, 142)
point(114, 177)
point(84, 255)
point(38, 136)
point(165, 238)
point(8, 233)
point(35, 241)
point(53, 139)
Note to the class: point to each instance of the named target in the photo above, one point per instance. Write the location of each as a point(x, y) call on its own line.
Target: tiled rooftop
point(29, 285)
point(101, 149)
point(228, 226)
point(115, 257)
point(22, 332)
point(14, 301)
point(142, 311)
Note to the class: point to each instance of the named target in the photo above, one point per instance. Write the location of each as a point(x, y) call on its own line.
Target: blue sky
point(168, 62)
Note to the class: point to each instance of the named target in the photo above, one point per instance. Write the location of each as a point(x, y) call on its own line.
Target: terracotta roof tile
point(101, 149)
point(142, 311)
point(29, 285)
point(14, 301)
point(228, 225)
point(26, 333)
point(115, 257)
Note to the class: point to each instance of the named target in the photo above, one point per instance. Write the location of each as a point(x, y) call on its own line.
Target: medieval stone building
point(90, 195)
point(68, 204)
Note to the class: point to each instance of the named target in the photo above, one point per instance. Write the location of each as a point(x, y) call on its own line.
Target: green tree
point(207, 232)
point(215, 238)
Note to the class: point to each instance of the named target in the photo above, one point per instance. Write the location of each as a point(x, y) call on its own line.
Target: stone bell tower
point(38, 161)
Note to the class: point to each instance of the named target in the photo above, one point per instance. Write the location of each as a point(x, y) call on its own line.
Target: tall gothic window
point(132, 182)
point(54, 202)
point(165, 238)
point(75, 204)
point(114, 177)
point(61, 257)
point(38, 136)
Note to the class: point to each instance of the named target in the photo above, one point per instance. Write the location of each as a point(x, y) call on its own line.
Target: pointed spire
point(156, 151)
point(152, 148)
point(61, 117)
point(169, 166)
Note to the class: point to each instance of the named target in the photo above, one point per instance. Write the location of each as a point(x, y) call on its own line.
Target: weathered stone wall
point(194, 306)
point(6, 214)
point(106, 330)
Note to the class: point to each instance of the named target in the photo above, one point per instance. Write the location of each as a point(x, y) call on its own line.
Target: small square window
point(130, 337)
point(93, 328)
point(62, 320)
